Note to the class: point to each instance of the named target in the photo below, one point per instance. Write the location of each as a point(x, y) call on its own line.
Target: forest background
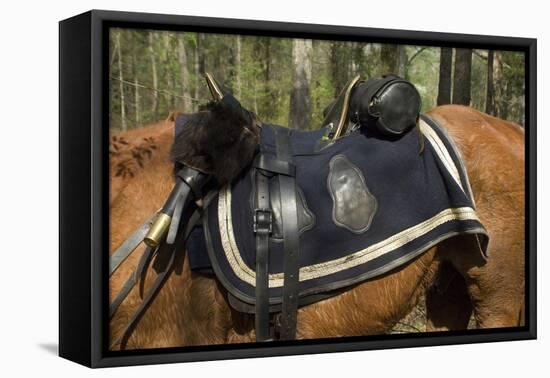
point(291, 81)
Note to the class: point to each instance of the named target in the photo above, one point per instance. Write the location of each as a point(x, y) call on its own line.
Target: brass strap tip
point(158, 230)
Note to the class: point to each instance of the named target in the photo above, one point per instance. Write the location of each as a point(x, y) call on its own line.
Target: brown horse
point(192, 309)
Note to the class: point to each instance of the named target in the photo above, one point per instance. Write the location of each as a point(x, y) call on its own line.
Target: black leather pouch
point(389, 102)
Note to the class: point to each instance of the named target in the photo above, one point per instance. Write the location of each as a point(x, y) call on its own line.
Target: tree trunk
point(490, 98)
point(200, 66)
point(137, 99)
point(333, 58)
point(401, 62)
point(388, 59)
point(300, 101)
point(255, 94)
point(366, 60)
point(338, 66)
point(445, 72)
point(393, 59)
point(154, 103)
point(267, 69)
point(497, 77)
point(184, 74)
point(196, 68)
point(170, 77)
point(500, 101)
point(123, 124)
point(238, 80)
point(462, 81)
point(353, 58)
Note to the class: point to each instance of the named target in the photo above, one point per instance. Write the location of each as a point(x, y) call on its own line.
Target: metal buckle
point(263, 220)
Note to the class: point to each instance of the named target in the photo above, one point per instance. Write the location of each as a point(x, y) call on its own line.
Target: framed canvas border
point(84, 189)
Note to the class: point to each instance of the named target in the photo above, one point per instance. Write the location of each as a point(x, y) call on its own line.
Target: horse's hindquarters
point(494, 153)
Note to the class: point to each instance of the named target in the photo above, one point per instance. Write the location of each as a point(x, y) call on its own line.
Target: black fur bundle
point(220, 141)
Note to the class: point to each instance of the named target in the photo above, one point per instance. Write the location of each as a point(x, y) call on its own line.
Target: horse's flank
point(192, 309)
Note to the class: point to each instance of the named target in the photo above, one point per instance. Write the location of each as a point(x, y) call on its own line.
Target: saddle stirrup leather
point(291, 243)
point(282, 169)
point(262, 230)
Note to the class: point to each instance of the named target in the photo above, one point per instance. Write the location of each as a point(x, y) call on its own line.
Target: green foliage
point(511, 86)
point(479, 79)
point(264, 68)
point(423, 71)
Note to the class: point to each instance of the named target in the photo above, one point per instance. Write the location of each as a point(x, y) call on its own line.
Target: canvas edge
point(92, 327)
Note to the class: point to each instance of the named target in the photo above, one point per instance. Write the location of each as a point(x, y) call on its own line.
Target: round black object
point(389, 103)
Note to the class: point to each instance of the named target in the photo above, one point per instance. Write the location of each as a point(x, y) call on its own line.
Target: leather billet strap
point(291, 243)
point(272, 164)
point(138, 275)
point(128, 246)
point(170, 251)
point(183, 199)
point(188, 188)
point(262, 230)
point(122, 294)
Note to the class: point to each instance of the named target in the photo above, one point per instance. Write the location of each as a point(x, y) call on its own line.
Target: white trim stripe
point(246, 274)
point(441, 151)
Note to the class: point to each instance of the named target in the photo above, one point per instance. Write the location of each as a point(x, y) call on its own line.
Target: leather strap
point(194, 179)
point(122, 294)
point(147, 300)
point(289, 215)
point(181, 201)
point(138, 275)
point(163, 273)
point(162, 276)
point(128, 246)
point(271, 164)
point(141, 270)
point(262, 230)
point(189, 184)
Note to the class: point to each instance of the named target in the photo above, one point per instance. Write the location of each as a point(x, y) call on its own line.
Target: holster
point(187, 190)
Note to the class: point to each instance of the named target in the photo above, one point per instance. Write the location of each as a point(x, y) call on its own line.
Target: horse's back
point(473, 129)
point(137, 150)
point(493, 149)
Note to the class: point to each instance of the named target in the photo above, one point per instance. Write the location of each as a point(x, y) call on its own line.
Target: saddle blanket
point(365, 206)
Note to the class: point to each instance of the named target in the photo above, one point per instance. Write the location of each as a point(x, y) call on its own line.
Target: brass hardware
point(158, 230)
point(213, 86)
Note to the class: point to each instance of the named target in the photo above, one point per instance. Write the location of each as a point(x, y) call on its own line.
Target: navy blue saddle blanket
point(365, 206)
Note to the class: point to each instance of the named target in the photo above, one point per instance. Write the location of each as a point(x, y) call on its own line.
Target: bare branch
point(480, 55)
point(410, 326)
point(115, 47)
point(416, 53)
point(156, 90)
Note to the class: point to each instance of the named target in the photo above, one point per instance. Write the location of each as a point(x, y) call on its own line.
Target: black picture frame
point(83, 262)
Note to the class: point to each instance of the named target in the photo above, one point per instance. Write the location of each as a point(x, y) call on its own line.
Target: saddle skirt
point(365, 206)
